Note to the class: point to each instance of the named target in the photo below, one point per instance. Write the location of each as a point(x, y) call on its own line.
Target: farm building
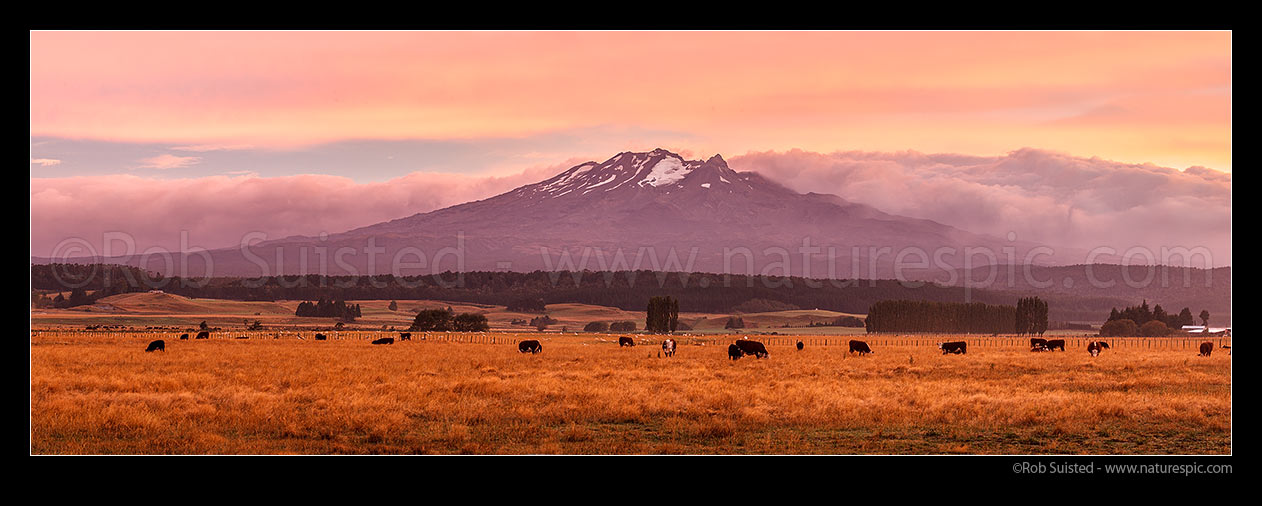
point(1213, 331)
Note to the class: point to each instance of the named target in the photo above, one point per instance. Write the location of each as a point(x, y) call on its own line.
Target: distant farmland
point(163, 309)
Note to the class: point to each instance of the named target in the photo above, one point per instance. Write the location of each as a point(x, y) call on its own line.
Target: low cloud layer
point(217, 211)
point(1048, 197)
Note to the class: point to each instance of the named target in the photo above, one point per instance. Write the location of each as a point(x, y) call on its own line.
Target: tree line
point(445, 320)
point(530, 291)
point(330, 309)
point(947, 317)
point(1144, 322)
point(1031, 316)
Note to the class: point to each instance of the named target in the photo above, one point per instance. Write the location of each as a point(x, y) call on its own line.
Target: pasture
point(164, 309)
point(101, 393)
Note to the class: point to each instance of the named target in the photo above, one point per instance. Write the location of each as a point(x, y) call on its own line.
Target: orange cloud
point(977, 92)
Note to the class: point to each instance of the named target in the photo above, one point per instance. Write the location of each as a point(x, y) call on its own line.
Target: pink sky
point(224, 133)
point(1158, 97)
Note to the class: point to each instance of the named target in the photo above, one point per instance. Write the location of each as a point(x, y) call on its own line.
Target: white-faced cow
point(954, 347)
point(1095, 347)
point(158, 345)
point(1038, 344)
point(668, 347)
point(626, 341)
point(859, 347)
point(530, 346)
point(1053, 344)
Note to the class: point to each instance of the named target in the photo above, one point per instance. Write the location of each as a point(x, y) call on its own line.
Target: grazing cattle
point(1206, 348)
point(158, 345)
point(859, 347)
point(203, 335)
point(184, 337)
point(754, 348)
point(1053, 344)
point(734, 352)
point(800, 346)
point(320, 337)
point(956, 347)
point(384, 340)
point(243, 337)
point(668, 347)
point(1095, 347)
point(531, 346)
point(626, 341)
point(1228, 348)
point(405, 336)
point(1038, 344)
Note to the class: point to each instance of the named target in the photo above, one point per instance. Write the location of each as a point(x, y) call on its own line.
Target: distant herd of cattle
point(745, 347)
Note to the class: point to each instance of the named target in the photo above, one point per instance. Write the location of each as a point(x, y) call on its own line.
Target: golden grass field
point(585, 395)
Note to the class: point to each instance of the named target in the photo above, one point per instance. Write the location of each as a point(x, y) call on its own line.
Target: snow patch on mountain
point(668, 170)
point(608, 179)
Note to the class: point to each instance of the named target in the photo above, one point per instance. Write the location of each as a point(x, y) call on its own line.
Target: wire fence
point(878, 340)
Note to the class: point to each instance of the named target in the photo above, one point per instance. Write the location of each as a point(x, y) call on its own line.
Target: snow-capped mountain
point(631, 172)
point(651, 208)
point(634, 211)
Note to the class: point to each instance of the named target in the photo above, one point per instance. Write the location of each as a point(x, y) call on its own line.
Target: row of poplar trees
point(1031, 316)
point(663, 315)
point(1028, 317)
point(950, 317)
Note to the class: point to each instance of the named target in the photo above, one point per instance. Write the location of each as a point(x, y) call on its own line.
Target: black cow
point(754, 348)
point(1206, 348)
point(183, 337)
point(203, 335)
point(1095, 347)
point(956, 347)
point(243, 337)
point(668, 347)
point(859, 347)
point(384, 340)
point(1038, 344)
point(800, 346)
point(626, 341)
point(158, 345)
point(405, 336)
point(531, 346)
point(734, 352)
point(320, 337)
point(1053, 344)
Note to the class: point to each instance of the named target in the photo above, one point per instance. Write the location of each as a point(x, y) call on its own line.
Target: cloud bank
point(1043, 196)
point(216, 211)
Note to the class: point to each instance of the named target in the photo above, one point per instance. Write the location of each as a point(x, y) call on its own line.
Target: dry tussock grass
point(105, 396)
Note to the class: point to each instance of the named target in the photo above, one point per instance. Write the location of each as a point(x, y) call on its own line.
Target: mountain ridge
point(632, 203)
